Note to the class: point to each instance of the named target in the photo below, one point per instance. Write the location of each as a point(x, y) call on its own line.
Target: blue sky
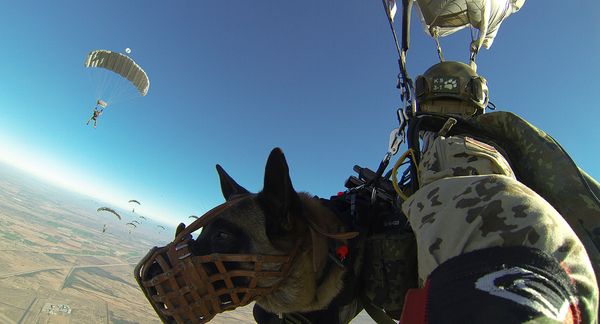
point(230, 80)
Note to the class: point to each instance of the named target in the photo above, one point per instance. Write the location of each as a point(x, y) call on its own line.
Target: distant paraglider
point(134, 202)
point(130, 228)
point(110, 210)
point(193, 216)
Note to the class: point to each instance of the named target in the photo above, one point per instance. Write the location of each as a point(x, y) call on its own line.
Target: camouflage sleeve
point(470, 200)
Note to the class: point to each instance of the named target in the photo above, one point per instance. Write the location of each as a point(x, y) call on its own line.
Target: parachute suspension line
point(118, 88)
point(103, 82)
point(122, 90)
point(391, 22)
point(473, 50)
point(120, 94)
point(405, 84)
point(111, 87)
point(98, 82)
point(107, 85)
point(437, 43)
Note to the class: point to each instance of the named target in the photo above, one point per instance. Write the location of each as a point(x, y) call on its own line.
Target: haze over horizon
point(56, 176)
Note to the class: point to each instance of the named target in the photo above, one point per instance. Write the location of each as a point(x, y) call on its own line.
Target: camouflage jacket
point(495, 183)
point(540, 163)
point(499, 168)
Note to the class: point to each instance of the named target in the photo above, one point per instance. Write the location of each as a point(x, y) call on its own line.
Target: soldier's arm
point(491, 248)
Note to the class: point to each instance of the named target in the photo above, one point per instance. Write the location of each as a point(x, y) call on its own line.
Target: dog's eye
point(221, 236)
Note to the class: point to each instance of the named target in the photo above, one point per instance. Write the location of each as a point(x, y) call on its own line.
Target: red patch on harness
point(342, 252)
point(414, 310)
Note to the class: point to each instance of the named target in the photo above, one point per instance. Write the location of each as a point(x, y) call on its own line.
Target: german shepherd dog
point(271, 222)
point(322, 283)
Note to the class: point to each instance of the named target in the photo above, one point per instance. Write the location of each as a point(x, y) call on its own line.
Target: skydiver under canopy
point(95, 114)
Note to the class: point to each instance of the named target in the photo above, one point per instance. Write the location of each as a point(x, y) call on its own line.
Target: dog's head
point(261, 247)
point(263, 223)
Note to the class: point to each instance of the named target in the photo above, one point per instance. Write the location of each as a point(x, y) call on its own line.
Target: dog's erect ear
point(278, 194)
point(228, 186)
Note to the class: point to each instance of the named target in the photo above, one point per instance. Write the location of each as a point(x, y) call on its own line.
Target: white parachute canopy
point(115, 77)
point(444, 17)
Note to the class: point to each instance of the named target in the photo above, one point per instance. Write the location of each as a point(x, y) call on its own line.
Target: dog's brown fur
point(299, 292)
point(272, 222)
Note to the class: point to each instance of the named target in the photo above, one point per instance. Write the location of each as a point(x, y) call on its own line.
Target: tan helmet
point(452, 88)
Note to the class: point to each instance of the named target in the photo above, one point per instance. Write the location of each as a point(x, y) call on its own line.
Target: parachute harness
point(187, 288)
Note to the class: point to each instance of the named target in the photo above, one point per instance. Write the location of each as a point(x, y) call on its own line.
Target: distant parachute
point(110, 210)
point(131, 229)
point(161, 227)
point(135, 202)
point(193, 216)
point(113, 74)
point(444, 17)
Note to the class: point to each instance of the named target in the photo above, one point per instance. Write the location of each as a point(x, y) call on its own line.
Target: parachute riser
point(405, 84)
point(404, 81)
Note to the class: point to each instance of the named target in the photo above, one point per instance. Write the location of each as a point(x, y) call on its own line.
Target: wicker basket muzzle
point(185, 288)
